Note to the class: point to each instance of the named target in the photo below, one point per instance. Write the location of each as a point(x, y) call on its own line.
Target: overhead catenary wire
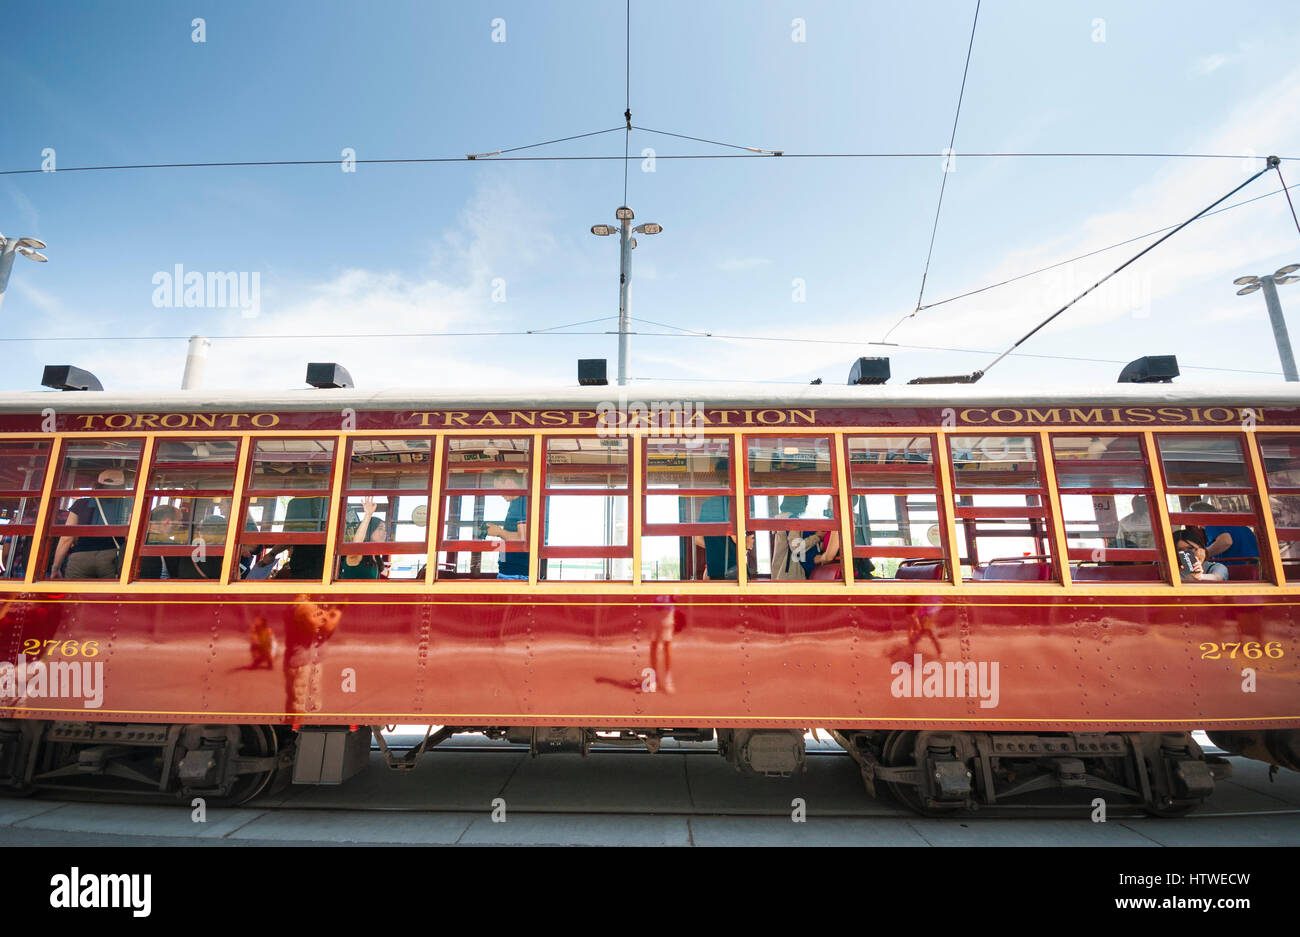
point(236, 164)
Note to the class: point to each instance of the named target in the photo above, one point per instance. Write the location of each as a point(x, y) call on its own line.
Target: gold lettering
point(1015, 416)
point(88, 420)
point(1085, 416)
point(489, 418)
point(169, 423)
point(234, 418)
point(423, 415)
point(1140, 414)
point(762, 417)
point(806, 415)
point(726, 420)
point(553, 418)
point(700, 417)
point(516, 416)
point(1172, 414)
point(208, 418)
point(1043, 416)
point(966, 415)
point(1196, 414)
point(1226, 418)
point(145, 420)
point(259, 418)
point(455, 418)
point(1258, 415)
point(117, 420)
point(580, 415)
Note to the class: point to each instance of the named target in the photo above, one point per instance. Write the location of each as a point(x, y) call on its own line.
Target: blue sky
point(417, 247)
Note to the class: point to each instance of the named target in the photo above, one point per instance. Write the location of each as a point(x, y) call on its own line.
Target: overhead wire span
point(943, 185)
point(530, 146)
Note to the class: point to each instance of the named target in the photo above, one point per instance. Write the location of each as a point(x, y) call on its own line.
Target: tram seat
point(1032, 570)
point(920, 569)
point(828, 573)
point(1142, 572)
point(1243, 572)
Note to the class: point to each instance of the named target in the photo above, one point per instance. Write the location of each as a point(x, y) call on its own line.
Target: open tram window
point(1281, 458)
point(90, 510)
point(586, 509)
point(689, 527)
point(791, 492)
point(1208, 486)
point(898, 520)
point(385, 509)
point(22, 475)
point(188, 496)
point(1104, 484)
point(1003, 520)
point(485, 508)
point(286, 508)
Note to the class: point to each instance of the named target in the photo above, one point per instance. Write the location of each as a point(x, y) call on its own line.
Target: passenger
point(210, 550)
point(163, 521)
point(1192, 562)
point(511, 564)
point(371, 529)
point(306, 560)
point(790, 551)
point(94, 557)
point(1228, 542)
point(828, 553)
point(1135, 529)
point(720, 559)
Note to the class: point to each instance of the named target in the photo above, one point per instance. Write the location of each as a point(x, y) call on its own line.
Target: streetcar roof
point(662, 394)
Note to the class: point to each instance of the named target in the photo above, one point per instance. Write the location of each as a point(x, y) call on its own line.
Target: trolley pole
point(1279, 328)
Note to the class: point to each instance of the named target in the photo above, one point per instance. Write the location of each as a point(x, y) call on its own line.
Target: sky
point(780, 249)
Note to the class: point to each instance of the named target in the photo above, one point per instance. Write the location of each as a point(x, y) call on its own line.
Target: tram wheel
point(256, 741)
point(899, 751)
point(1171, 811)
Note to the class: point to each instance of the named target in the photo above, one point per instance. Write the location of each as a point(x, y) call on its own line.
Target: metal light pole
point(28, 247)
point(625, 245)
point(1268, 284)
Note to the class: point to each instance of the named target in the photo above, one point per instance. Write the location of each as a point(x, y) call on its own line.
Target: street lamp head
point(603, 230)
point(1285, 279)
point(1285, 271)
point(1241, 281)
point(33, 255)
point(648, 228)
point(624, 214)
point(40, 245)
point(1248, 289)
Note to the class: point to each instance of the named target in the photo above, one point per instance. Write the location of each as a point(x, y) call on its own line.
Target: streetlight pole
point(1268, 283)
point(626, 243)
point(28, 247)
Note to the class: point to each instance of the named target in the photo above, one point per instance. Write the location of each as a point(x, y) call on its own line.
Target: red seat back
point(1243, 572)
point(1143, 572)
point(923, 569)
point(1029, 571)
point(828, 572)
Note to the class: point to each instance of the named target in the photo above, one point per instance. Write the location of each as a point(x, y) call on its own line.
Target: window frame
point(690, 530)
point(441, 476)
point(343, 547)
point(605, 552)
point(33, 530)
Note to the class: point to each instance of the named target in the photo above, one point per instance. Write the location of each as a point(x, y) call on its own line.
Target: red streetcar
point(980, 595)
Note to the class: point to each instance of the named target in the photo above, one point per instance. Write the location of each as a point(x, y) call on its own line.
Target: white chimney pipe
point(195, 362)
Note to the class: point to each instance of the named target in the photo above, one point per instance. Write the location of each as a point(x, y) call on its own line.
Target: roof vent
point(1153, 369)
point(66, 377)
point(328, 374)
point(869, 371)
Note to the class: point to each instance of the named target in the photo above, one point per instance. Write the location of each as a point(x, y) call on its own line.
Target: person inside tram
point(306, 560)
point(206, 560)
point(511, 564)
point(370, 529)
point(94, 557)
point(1228, 542)
point(1135, 531)
point(793, 554)
point(1193, 563)
point(720, 560)
point(829, 554)
point(163, 522)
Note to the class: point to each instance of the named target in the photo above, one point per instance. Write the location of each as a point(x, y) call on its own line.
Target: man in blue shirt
point(512, 564)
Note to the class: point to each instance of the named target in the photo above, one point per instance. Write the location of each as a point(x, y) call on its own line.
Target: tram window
point(1281, 458)
point(1208, 485)
point(792, 510)
point(688, 528)
point(286, 508)
point(1106, 498)
point(22, 474)
point(898, 524)
point(90, 511)
point(586, 508)
point(384, 514)
point(1003, 519)
point(485, 508)
point(188, 494)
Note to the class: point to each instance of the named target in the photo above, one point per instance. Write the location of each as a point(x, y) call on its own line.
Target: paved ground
point(682, 796)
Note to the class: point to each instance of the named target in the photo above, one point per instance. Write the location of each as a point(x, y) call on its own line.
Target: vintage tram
point(983, 596)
